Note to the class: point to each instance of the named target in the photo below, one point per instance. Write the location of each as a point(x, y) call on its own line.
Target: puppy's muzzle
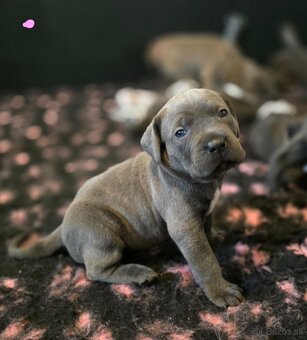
point(223, 149)
point(216, 144)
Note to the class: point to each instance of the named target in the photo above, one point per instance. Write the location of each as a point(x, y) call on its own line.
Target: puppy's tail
point(42, 248)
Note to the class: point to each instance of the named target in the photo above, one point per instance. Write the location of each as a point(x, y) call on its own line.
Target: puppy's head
point(195, 134)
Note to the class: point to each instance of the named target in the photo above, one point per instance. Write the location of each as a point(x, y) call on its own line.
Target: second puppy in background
point(281, 140)
point(209, 59)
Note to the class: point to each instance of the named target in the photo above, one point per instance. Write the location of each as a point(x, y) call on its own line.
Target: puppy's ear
point(151, 139)
point(227, 100)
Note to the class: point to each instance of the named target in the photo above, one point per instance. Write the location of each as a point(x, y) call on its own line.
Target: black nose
point(216, 145)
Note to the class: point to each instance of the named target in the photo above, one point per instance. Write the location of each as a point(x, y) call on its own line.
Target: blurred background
point(76, 42)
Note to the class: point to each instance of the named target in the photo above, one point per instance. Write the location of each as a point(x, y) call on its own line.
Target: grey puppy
point(281, 140)
point(167, 191)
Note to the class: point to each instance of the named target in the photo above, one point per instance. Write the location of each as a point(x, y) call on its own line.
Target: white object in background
point(280, 106)
point(180, 86)
point(234, 91)
point(132, 104)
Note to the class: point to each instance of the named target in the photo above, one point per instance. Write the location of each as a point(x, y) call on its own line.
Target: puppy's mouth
point(221, 169)
point(213, 166)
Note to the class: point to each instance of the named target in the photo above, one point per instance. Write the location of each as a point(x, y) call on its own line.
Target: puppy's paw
point(142, 274)
point(224, 294)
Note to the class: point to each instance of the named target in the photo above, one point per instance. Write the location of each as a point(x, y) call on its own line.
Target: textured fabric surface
point(50, 143)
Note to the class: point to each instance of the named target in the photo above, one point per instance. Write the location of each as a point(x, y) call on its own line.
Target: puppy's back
point(183, 55)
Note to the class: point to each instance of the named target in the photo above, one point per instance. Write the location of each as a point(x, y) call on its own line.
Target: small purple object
point(30, 23)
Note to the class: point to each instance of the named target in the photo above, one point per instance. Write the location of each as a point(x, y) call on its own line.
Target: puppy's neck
point(203, 189)
point(173, 169)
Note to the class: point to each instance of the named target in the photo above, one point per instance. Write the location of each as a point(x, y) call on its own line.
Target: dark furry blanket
point(50, 143)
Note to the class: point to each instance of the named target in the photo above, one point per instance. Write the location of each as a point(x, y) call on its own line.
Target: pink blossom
point(299, 249)
point(185, 273)
point(124, 290)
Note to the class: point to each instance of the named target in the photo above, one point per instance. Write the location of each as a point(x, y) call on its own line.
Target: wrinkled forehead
point(197, 101)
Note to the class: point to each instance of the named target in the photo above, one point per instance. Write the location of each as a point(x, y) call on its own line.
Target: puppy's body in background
point(289, 65)
point(209, 59)
point(167, 191)
point(281, 140)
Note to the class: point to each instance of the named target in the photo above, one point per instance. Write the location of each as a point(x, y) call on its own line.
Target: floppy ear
point(151, 140)
point(227, 100)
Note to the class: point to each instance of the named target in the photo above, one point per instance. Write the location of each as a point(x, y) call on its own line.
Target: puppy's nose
point(217, 144)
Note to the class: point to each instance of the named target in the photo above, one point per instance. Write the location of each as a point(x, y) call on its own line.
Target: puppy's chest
point(206, 204)
point(213, 202)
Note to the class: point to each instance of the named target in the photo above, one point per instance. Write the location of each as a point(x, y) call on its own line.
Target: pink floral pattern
point(50, 143)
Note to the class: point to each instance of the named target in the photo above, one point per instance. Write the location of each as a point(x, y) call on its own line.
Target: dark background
point(79, 41)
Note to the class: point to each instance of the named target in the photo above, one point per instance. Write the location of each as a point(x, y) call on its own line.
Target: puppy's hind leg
point(92, 236)
point(104, 265)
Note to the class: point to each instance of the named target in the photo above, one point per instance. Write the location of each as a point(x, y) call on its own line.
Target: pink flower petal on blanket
point(22, 158)
point(185, 273)
point(234, 215)
point(80, 280)
point(115, 139)
point(289, 210)
point(6, 196)
point(181, 336)
point(5, 118)
point(13, 330)
point(18, 217)
point(84, 321)
point(256, 309)
point(61, 281)
point(260, 257)
point(259, 189)
point(288, 287)
point(124, 290)
point(9, 283)
point(299, 249)
point(33, 132)
point(251, 168)
point(34, 334)
point(242, 248)
point(253, 217)
point(230, 189)
point(102, 333)
point(216, 321)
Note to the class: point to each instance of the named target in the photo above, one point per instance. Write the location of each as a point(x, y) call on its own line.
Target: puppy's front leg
point(190, 237)
point(213, 234)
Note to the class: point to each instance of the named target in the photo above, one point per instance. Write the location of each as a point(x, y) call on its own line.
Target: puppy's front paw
point(224, 293)
point(140, 274)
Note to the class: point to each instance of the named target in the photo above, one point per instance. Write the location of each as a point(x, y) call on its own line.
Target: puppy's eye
point(223, 113)
point(181, 133)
